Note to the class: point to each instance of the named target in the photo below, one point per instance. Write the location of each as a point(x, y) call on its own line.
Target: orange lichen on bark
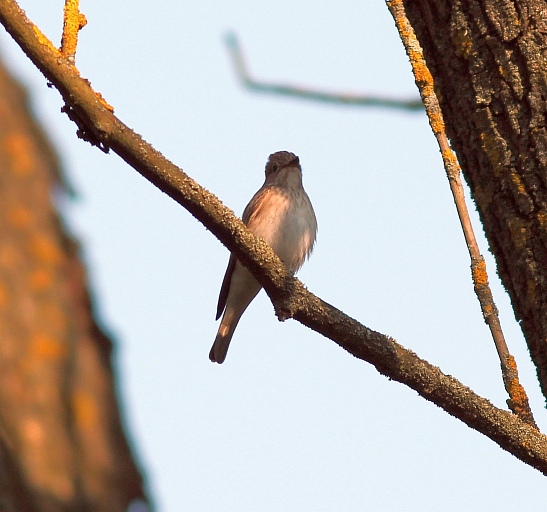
point(43, 40)
point(421, 71)
point(41, 279)
point(422, 75)
point(478, 271)
point(43, 346)
point(437, 123)
point(20, 151)
point(73, 22)
point(405, 31)
point(517, 181)
point(449, 157)
point(451, 165)
point(45, 249)
point(103, 102)
point(518, 402)
point(488, 310)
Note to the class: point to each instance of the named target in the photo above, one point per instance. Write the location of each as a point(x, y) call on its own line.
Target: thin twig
point(73, 22)
point(288, 294)
point(518, 400)
point(306, 93)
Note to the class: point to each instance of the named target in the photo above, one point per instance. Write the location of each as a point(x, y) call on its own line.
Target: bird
point(281, 213)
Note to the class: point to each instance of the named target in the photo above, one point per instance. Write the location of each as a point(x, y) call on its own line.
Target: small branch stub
point(73, 22)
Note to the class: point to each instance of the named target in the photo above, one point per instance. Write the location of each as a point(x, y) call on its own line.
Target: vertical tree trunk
point(489, 62)
point(62, 445)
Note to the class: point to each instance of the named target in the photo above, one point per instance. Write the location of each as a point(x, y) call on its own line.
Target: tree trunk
point(489, 62)
point(62, 445)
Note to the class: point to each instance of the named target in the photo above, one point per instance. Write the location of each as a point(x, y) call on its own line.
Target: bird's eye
point(274, 167)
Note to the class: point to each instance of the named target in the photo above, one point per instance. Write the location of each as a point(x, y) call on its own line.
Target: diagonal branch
point(97, 122)
point(362, 100)
point(518, 399)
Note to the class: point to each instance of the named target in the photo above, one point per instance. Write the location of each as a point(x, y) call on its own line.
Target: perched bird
point(281, 213)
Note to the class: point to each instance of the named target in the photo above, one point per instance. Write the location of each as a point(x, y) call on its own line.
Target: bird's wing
point(249, 213)
point(255, 206)
point(225, 288)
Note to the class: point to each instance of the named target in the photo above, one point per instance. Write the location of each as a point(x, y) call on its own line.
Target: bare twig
point(518, 400)
point(288, 294)
point(307, 93)
point(73, 22)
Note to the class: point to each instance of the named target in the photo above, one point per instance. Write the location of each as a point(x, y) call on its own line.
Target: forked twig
point(518, 400)
point(306, 93)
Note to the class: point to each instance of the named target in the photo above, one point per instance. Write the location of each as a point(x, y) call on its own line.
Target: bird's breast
point(287, 223)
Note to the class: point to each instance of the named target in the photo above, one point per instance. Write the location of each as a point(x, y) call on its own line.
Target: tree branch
point(518, 399)
point(97, 123)
point(306, 93)
point(489, 62)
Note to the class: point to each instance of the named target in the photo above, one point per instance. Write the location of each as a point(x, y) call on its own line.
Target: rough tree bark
point(62, 445)
point(489, 62)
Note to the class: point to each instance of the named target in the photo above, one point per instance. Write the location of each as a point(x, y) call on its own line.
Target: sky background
point(290, 421)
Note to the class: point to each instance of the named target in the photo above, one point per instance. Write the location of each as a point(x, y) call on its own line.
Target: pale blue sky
point(290, 422)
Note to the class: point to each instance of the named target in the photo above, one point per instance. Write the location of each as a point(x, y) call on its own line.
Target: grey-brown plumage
point(281, 213)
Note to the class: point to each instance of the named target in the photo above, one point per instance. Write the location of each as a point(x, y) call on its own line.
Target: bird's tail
point(222, 341)
point(243, 290)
